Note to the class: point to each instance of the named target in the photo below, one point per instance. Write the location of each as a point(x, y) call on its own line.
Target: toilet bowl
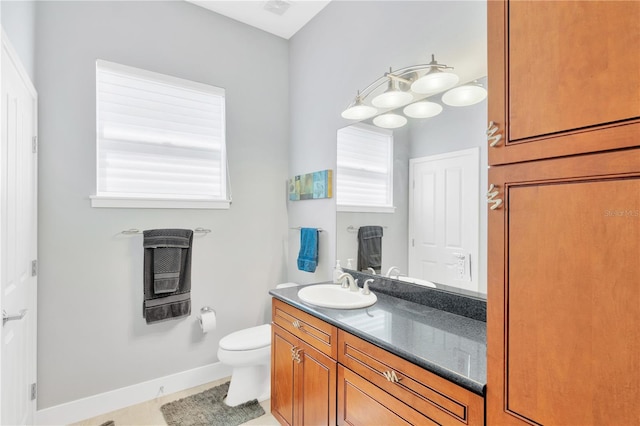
point(248, 352)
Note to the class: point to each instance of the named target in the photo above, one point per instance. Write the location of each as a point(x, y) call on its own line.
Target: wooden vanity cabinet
point(564, 78)
point(564, 292)
point(369, 386)
point(303, 367)
point(377, 387)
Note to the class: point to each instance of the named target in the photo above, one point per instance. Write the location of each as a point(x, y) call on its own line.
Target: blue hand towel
point(308, 256)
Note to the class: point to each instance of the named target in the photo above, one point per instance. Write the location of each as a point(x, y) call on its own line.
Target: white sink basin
point(418, 281)
point(334, 296)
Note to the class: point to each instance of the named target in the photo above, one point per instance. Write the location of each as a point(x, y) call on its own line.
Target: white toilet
point(248, 351)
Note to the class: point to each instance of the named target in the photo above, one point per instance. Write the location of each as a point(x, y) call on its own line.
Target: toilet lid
point(249, 338)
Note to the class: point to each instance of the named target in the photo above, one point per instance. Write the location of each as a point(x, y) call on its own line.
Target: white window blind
point(159, 138)
point(364, 179)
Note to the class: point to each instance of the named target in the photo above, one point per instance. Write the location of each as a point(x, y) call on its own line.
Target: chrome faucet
point(365, 287)
point(393, 268)
point(350, 282)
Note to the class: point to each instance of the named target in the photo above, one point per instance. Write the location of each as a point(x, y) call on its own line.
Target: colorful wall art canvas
point(311, 186)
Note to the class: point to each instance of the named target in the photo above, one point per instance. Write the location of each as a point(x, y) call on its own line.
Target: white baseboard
point(96, 405)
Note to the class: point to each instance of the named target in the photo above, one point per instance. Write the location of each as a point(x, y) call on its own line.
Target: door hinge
point(34, 391)
point(34, 268)
point(34, 144)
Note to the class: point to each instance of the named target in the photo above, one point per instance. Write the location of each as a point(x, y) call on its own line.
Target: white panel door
point(18, 221)
point(444, 218)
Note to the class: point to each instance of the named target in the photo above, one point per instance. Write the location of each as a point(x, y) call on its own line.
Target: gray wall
point(18, 22)
point(347, 46)
point(92, 337)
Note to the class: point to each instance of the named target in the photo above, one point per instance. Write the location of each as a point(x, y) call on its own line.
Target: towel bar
point(352, 228)
point(137, 231)
point(299, 228)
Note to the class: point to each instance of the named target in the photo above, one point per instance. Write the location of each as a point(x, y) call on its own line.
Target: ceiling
point(280, 17)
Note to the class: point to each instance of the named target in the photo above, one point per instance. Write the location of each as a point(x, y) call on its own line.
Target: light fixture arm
point(400, 75)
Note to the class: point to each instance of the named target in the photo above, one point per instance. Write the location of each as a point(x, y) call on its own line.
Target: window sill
point(156, 203)
point(366, 209)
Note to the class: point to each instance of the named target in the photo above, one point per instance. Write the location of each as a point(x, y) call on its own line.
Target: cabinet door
point(564, 77)
point(316, 387)
point(283, 369)
point(360, 403)
point(564, 292)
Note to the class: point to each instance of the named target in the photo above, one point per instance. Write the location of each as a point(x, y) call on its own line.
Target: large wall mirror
point(435, 230)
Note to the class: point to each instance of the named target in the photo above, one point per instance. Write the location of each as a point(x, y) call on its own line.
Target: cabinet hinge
point(34, 268)
point(34, 391)
point(34, 144)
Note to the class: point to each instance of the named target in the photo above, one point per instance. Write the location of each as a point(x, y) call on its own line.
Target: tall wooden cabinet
point(564, 218)
point(564, 77)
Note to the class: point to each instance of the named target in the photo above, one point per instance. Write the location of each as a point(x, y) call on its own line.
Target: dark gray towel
point(167, 274)
point(370, 248)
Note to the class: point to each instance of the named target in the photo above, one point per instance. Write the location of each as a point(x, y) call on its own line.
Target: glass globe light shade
point(422, 109)
point(434, 81)
point(359, 111)
point(392, 99)
point(465, 95)
point(390, 121)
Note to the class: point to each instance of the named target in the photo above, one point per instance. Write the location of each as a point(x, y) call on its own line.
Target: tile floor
point(148, 413)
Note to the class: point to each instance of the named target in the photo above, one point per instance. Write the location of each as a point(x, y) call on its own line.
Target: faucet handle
point(365, 288)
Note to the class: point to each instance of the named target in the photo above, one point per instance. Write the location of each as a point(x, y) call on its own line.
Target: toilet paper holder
point(206, 309)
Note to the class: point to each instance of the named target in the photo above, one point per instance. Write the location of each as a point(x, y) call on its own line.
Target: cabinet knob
point(492, 137)
point(491, 197)
point(296, 324)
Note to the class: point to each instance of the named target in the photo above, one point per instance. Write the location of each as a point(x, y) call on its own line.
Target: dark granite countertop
point(449, 345)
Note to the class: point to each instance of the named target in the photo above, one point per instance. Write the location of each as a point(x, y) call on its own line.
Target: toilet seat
point(247, 339)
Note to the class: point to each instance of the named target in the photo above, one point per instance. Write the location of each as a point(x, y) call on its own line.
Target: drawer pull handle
point(297, 324)
point(491, 197)
point(295, 354)
point(491, 134)
point(391, 376)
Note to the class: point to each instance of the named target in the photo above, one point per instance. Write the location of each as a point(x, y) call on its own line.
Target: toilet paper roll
point(207, 320)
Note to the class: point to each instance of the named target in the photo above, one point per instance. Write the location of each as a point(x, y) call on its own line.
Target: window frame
point(113, 200)
point(368, 208)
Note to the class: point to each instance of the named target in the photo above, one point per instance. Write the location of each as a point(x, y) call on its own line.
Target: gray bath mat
point(207, 409)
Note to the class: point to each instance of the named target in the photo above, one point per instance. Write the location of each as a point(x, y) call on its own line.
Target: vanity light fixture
point(408, 87)
point(422, 109)
point(435, 80)
point(465, 95)
point(390, 120)
point(393, 97)
point(358, 110)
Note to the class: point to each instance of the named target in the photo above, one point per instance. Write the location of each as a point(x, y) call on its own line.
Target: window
point(160, 141)
point(364, 181)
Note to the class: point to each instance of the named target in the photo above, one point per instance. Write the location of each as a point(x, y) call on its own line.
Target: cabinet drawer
point(315, 332)
point(361, 403)
point(435, 397)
